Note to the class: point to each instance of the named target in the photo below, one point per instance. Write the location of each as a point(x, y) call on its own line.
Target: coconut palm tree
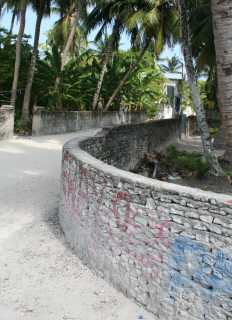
point(155, 22)
point(68, 35)
point(72, 12)
point(42, 7)
point(19, 10)
point(22, 21)
point(14, 15)
point(9, 5)
point(202, 38)
point(222, 24)
point(1, 9)
point(201, 119)
point(172, 65)
point(102, 16)
point(111, 45)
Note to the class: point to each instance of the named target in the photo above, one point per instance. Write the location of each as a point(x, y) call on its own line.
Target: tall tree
point(201, 119)
point(101, 15)
point(14, 14)
point(72, 12)
point(23, 8)
point(68, 34)
point(42, 7)
point(153, 21)
point(126, 76)
point(222, 26)
point(172, 65)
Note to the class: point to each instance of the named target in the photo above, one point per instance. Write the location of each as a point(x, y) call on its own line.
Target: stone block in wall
point(6, 122)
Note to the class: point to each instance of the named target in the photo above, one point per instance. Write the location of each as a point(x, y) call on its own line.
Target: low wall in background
point(6, 122)
point(164, 245)
point(45, 122)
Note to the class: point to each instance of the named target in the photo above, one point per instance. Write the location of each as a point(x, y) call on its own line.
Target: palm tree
point(155, 22)
point(14, 15)
point(202, 38)
point(102, 15)
point(106, 55)
point(126, 76)
point(23, 8)
point(72, 12)
point(173, 65)
point(68, 34)
point(42, 7)
point(222, 23)
point(201, 119)
point(1, 9)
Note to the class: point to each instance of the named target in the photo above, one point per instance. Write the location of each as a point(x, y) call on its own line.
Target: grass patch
point(182, 161)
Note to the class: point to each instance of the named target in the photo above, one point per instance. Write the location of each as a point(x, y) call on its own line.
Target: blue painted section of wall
point(194, 267)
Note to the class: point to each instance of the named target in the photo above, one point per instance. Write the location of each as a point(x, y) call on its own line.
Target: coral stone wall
point(166, 246)
point(6, 122)
point(124, 146)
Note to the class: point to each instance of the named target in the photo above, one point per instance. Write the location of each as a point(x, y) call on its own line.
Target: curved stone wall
point(166, 246)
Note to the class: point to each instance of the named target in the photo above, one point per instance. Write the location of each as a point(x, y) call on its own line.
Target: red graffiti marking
point(127, 223)
point(80, 188)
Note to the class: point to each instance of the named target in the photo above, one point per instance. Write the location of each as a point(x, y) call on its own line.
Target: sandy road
point(40, 277)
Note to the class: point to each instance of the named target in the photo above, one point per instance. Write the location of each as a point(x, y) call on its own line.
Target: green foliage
point(7, 61)
point(207, 93)
point(181, 160)
point(186, 96)
point(143, 91)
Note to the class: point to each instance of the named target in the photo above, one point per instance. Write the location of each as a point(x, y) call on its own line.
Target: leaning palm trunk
point(106, 57)
point(13, 21)
point(18, 52)
point(201, 119)
point(105, 61)
point(66, 52)
point(222, 21)
point(125, 78)
point(31, 73)
point(69, 43)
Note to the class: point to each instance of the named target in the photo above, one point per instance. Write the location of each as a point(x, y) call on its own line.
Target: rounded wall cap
point(6, 107)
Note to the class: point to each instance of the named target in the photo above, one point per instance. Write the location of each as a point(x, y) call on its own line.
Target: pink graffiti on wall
point(128, 224)
point(79, 186)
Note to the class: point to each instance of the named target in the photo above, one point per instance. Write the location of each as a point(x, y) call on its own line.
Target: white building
point(173, 108)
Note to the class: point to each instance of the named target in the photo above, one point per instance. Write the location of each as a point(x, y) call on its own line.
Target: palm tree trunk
point(222, 23)
point(106, 57)
point(12, 21)
point(65, 54)
point(125, 78)
point(27, 95)
point(18, 52)
point(200, 114)
point(107, 54)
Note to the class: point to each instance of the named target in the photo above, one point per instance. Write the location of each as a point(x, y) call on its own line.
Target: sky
point(48, 22)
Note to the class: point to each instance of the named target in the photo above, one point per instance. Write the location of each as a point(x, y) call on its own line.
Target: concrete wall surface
point(6, 122)
point(45, 122)
point(166, 246)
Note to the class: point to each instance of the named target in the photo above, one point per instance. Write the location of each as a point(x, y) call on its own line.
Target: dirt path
point(40, 277)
